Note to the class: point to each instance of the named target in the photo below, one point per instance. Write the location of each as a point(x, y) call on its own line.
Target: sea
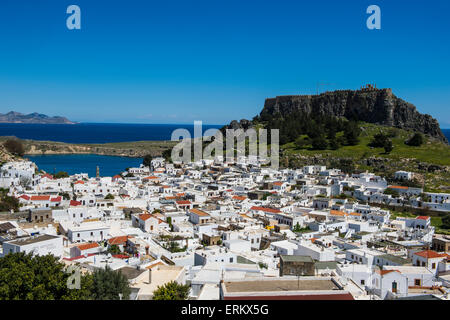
point(91, 133)
point(95, 133)
point(446, 133)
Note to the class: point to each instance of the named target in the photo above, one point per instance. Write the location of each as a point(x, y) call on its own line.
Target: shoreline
point(133, 149)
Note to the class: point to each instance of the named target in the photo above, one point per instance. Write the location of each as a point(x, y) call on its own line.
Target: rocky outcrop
point(378, 106)
point(6, 156)
point(243, 124)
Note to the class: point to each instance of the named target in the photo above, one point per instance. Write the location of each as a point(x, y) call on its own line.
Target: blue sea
point(91, 133)
point(95, 132)
point(446, 133)
point(84, 163)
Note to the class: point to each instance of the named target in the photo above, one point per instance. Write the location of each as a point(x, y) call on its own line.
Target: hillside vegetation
point(432, 151)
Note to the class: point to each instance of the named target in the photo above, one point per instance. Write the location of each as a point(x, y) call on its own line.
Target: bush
point(147, 161)
point(388, 147)
point(15, 147)
point(379, 141)
point(319, 143)
point(416, 140)
point(8, 203)
point(108, 284)
point(171, 291)
point(301, 142)
point(61, 174)
point(33, 277)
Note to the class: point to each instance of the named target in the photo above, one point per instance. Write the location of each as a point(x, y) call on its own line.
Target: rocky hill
point(379, 106)
point(17, 117)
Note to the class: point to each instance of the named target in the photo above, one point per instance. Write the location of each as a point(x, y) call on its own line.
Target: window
point(417, 282)
point(231, 259)
point(78, 235)
point(433, 266)
point(363, 282)
point(92, 234)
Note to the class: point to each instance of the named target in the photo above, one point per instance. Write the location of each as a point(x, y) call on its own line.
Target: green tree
point(392, 192)
point(171, 291)
point(319, 143)
point(8, 203)
point(108, 284)
point(61, 174)
point(27, 277)
point(15, 146)
point(446, 222)
point(351, 133)
point(167, 155)
point(379, 140)
point(334, 144)
point(416, 140)
point(65, 195)
point(388, 147)
point(147, 161)
point(114, 249)
point(297, 228)
point(109, 196)
point(301, 142)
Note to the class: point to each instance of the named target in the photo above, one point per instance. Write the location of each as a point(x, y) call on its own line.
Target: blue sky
point(178, 61)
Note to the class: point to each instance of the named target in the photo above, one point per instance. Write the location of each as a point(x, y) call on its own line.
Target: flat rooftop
point(280, 285)
point(296, 258)
point(130, 272)
point(33, 239)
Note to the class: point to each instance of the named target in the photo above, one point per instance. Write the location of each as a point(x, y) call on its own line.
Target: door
point(394, 287)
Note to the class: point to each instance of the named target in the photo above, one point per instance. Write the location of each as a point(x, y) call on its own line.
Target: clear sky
point(177, 61)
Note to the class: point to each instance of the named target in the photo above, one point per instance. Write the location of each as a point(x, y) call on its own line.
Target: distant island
point(17, 117)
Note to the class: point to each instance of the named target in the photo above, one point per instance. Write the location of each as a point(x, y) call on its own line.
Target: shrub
point(15, 147)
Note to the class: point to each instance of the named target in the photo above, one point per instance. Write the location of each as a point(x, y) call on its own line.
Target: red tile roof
point(56, 199)
point(265, 209)
point(150, 178)
point(120, 256)
point(240, 198)
point(398, 187)
point(338, 213)
point(199, 212)
point(423, 217)
point(48, 176)
point(24, 196)
point(75, 203)
point(383, 272)
point(183, 202)
point(145, 216)
point(87, 246)
point(40, 198)
point(430, 254)
point(118, 240)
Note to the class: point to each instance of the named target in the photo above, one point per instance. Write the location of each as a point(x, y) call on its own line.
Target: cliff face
point(379, 106)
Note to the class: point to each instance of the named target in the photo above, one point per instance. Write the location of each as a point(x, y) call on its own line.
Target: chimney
point(150, 275)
